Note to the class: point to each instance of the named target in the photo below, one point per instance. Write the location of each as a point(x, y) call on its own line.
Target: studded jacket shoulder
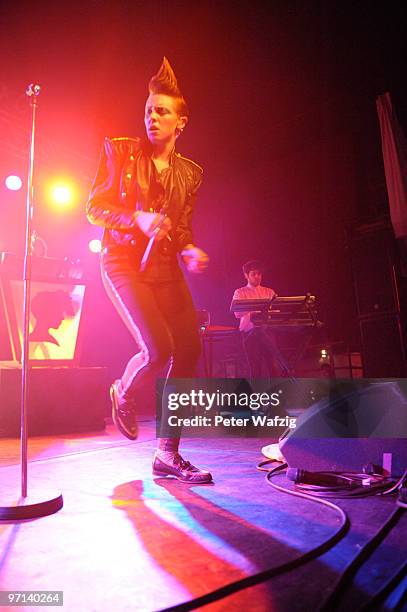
point(126, 181)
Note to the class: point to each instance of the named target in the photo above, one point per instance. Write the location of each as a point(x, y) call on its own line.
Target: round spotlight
point(13, 182)
point(62, 195)
point(95, 246)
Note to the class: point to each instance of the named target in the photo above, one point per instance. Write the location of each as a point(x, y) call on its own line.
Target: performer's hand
point(153, 224)
point(196, 260)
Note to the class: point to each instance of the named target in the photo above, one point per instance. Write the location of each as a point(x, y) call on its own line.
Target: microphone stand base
point(36, 505)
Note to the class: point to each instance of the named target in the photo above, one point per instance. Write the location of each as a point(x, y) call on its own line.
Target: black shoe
point(123, 413)
point(181, 469)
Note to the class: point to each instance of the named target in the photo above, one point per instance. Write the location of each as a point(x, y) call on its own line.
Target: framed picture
point(55, 317)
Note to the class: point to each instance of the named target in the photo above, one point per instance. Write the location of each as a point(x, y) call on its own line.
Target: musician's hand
point(195, 259)
point(153, 224)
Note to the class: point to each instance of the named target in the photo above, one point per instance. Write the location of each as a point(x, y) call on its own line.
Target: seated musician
point(258, 340)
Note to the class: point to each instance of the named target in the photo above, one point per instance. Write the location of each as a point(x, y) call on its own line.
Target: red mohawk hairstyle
point(165, 82)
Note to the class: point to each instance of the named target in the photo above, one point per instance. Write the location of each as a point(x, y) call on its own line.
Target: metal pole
point(32, 91)
point(42, 503)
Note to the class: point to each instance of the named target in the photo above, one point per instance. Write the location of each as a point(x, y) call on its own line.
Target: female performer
point(143, 195)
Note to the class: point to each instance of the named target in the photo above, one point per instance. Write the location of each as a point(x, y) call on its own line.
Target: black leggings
point(162, 320)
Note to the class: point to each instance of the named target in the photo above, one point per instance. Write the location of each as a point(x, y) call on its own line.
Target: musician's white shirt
point(250, 293)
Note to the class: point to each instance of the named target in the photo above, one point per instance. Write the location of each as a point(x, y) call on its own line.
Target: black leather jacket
point(127, 180)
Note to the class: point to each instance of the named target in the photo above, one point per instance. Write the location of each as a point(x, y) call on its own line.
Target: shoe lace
point(127, 408)
point(124, 411)
point(184, 465)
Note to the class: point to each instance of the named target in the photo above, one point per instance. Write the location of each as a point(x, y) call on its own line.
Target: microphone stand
point(34, 506)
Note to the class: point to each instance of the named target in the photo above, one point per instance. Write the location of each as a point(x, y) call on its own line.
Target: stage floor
point(127, 542)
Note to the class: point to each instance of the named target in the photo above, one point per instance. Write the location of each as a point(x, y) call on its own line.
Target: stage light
point(62, 195)
point(13, 182)
point(95, 246)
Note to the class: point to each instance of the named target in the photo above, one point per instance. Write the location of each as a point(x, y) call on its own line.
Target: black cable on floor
point(347, 576)
point(400, 605)
point(249, 581)
point(385, 591)
point(346, 484)
point(377, 488)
